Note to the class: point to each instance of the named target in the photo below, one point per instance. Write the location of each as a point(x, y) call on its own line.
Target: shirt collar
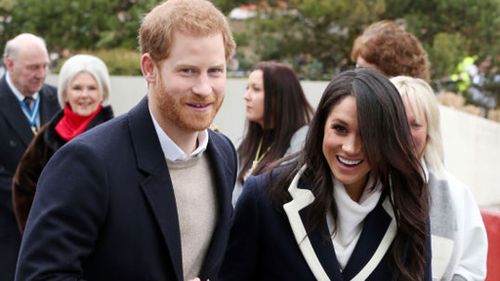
point(16, 92)
point(172, 151)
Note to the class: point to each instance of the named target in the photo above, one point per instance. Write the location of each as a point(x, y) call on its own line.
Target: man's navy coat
point(105, 208)
point(15, 136)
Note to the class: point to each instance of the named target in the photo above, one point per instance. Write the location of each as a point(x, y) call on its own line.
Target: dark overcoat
point(105, 207)
point(15, 136)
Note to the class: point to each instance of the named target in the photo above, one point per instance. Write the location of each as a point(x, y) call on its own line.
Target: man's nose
point(202, 86)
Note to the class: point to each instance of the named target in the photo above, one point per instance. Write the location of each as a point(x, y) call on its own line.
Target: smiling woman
point(83, 94)
point(83, 89)
point(343, 148)
point(351, 206)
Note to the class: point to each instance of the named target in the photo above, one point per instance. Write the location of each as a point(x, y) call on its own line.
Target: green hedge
point(118, 61)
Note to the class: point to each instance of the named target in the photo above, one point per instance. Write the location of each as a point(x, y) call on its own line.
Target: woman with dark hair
point(278, 114)
point(353, 205)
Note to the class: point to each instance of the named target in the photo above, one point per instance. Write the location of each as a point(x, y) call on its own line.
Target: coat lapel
point(320, 259)
point(13, 113)
point(224, 179)
point(156, 184)
point(378, 232)
point(325, 252)
point(48, 105)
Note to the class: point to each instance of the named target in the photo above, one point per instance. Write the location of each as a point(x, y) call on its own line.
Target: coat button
point(12, 143)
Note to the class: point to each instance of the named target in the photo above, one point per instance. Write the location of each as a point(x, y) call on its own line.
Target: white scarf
point(350, 218)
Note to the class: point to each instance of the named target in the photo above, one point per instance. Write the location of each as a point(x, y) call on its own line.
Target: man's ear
point(148, 68)
point(9, 63)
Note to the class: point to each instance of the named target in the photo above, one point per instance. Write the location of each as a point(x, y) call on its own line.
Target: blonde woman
point(459, 242)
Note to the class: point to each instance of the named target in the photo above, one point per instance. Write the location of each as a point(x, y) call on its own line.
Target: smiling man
point(146, 196)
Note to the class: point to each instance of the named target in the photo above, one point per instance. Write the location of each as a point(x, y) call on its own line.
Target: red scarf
point(71, 124)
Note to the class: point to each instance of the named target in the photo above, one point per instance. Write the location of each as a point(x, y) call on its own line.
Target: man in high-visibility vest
point(466, 69)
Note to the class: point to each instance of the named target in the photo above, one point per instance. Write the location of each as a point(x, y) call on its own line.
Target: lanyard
point(32, 115)
point(257, 159)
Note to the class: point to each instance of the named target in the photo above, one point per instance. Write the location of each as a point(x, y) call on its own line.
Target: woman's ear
point(148, 68)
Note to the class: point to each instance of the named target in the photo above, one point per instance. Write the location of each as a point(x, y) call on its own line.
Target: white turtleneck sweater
point(350, 218)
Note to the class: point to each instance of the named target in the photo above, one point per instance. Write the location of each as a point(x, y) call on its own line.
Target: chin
point(200, 126)
point(196, 125)
point(83, 113)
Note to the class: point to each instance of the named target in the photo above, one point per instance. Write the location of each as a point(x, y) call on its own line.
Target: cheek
point(220, 93)
point(70, 96)
point(96, 96)
point(219, 85)
point(260, 106)
point(325, 151)
point(328, 146)
point(420, 139)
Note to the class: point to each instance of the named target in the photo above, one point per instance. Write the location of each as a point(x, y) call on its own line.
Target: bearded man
point(146, 196)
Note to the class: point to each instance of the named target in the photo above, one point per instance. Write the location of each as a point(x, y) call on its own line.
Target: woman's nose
point(352, 145)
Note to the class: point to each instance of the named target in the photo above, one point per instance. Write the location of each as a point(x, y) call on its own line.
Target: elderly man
point(25, 105)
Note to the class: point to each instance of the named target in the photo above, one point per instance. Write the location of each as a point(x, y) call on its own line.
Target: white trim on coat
point(302, 198)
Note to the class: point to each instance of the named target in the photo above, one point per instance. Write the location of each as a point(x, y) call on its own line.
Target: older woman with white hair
point(83, 93)
point(459, 242)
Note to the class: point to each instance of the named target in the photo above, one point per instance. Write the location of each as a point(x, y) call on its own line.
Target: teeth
point(348, 162)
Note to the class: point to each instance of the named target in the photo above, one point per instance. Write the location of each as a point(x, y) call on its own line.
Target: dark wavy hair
point(286, 109)
point(393, 50)
point(388, 148)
